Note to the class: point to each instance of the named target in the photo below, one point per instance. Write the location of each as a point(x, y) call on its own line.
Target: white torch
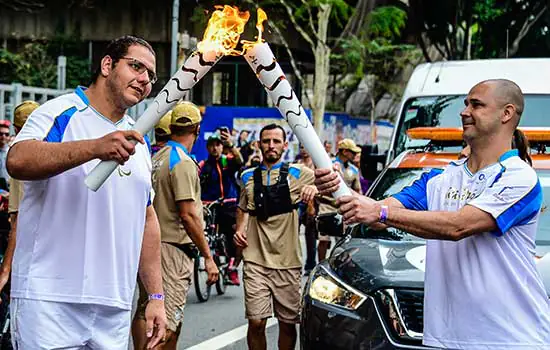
point(220, 38)
point(262, 61)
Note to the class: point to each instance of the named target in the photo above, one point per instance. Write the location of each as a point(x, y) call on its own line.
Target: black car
point(369, 293)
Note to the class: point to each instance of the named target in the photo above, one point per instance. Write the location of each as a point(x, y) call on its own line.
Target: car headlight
point(328, 290)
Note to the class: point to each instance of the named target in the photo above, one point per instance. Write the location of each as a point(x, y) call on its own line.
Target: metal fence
point(13, 94)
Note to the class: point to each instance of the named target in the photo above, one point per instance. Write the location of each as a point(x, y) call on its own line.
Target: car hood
point(371, 264)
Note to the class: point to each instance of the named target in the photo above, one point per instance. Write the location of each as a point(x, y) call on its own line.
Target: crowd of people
point(261, 231)
point(79, 255)
point(264, 200)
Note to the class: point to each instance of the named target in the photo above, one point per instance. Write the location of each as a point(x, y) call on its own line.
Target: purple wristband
point(383, 213)
point(156, 297)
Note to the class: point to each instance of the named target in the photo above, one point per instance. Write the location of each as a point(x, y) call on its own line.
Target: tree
point(466, 29)
point(32, 66)
point(376, 55)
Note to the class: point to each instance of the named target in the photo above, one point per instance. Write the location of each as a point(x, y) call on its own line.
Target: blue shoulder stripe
point(148, 143)
point(521, 212)
point(354, 169)
point(60, 125)
point(247, 174)
point(294, 171)
point(174, 158)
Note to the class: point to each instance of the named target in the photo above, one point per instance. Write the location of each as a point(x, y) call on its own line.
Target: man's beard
point(273, 157)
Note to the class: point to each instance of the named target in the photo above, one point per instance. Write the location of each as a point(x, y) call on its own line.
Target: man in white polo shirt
point(480, 216)
point(77, 253)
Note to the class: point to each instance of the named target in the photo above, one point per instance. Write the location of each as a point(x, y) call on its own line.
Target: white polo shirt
point(484, 291)
point(75, 245)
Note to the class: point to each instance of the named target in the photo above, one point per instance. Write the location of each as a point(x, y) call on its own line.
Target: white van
point(435, 94)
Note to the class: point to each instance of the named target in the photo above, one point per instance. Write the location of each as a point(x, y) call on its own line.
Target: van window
point(444, 111)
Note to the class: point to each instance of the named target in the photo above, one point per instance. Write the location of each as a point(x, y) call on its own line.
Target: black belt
point(188, 248)
point(294, 207)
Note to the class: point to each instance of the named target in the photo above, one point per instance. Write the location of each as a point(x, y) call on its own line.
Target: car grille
point(402, 311)
point(411, 304)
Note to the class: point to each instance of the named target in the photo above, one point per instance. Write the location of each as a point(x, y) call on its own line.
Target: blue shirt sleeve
point(415, 197)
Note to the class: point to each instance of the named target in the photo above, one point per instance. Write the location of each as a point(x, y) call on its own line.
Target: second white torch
point(262, 61)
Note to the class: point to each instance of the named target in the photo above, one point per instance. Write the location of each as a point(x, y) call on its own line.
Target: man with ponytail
point(519, 142)
point(479, 216)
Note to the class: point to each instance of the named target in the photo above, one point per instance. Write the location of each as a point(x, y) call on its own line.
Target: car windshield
point(444, 111)
point(393, 180)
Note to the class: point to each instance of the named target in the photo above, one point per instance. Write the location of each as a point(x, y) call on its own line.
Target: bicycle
point(216, 242)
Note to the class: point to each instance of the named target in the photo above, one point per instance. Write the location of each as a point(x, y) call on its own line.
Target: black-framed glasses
point(140, 67)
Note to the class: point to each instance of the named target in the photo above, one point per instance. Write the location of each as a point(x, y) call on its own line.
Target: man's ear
point(286, 145)
point(508, 114)
point(106, 66)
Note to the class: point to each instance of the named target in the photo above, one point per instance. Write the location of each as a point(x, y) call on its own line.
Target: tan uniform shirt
point(274, 243)
point(16, 194)
point(175, 178)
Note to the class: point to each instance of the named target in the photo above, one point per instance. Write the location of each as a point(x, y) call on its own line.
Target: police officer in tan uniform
point(178, 205)
point(347, 150)
point(20, 115)
point(267, 229)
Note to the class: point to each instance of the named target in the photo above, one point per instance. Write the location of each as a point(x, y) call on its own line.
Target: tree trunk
point(322, 69)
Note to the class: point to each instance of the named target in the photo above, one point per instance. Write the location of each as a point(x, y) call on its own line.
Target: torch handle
point(194, 68)
point(101, 172)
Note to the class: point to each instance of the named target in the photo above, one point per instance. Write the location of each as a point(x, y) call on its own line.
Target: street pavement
point(219, 323)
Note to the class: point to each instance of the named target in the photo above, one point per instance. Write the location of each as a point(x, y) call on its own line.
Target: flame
point(262, 17)
point(223, 31)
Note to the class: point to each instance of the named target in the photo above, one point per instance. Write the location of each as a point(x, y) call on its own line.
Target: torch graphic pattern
point(194, 68)
point(263, 63)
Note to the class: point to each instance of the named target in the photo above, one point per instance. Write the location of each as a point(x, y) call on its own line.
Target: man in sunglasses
point(78, 252)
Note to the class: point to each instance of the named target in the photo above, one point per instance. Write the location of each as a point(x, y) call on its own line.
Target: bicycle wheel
point(220, 283)
point(200, 276)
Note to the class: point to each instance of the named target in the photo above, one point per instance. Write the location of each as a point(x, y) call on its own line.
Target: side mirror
point(330, 224)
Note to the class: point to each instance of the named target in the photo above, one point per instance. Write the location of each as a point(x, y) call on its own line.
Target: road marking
point(228, 337)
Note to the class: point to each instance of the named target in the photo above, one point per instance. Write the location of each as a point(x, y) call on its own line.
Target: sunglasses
point(140, 68)
point(4, 134)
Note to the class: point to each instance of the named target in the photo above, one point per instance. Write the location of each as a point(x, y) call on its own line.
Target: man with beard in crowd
point(267, 231)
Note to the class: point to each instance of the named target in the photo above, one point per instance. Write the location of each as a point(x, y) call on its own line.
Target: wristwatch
point(158, 296)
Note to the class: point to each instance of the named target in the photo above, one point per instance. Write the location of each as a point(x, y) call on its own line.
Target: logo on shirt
point(122, 172)
point(464, 195)
point(503, 196)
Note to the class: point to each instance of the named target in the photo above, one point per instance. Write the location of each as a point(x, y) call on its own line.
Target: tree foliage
point(36, 63)
point(377, 56)
point(466, 29)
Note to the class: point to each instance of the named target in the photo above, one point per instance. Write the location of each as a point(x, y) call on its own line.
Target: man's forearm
point(441, 225)
point(193, 227)
point(242, 220)
point(10, 249)
point(47, 159)
point(149, 262)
